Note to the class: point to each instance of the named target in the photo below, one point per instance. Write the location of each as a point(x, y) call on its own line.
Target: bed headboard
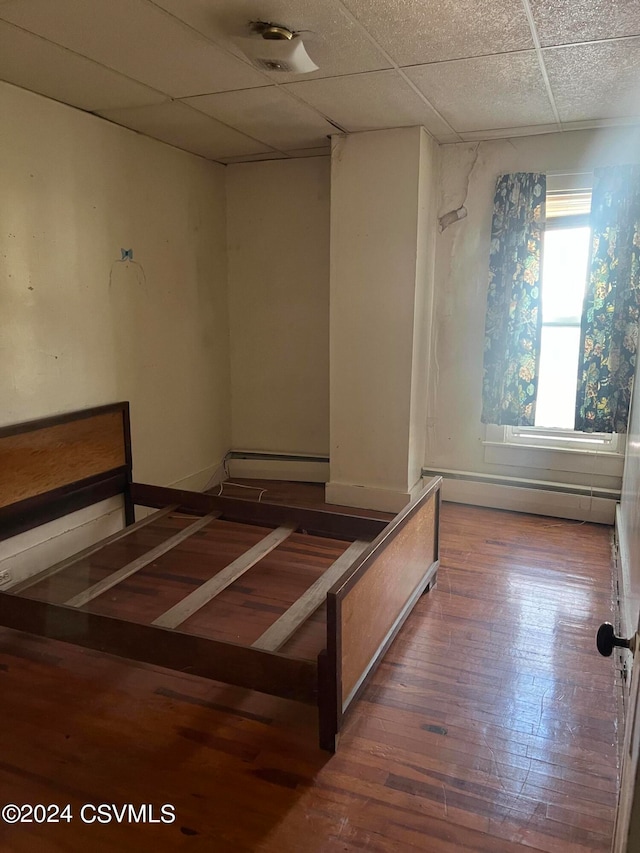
point(56, 465)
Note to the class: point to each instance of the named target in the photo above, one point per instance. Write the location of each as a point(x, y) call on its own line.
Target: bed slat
point(142, 561)
point(277, 634)
point(20, 586)
point(209, 589)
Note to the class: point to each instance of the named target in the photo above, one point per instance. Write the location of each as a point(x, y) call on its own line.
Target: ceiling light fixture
point(274, 47)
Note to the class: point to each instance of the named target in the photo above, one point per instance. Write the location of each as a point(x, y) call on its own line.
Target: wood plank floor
point(490, 727)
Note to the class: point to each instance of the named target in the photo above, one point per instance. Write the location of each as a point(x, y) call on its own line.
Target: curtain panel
point(514, 316)
point(609, 329)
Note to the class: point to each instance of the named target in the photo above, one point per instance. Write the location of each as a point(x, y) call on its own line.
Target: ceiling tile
point(598, 80)
point(185, 128)
point(137, 39)
point(419, 31)
point(268, 114)
point(369, 101)
point(566, 21)
point(65, 76)
point(476, 71)
point(486, 92)
point(334, 42)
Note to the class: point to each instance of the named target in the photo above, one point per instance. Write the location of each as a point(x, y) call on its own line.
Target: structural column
point(381, 289)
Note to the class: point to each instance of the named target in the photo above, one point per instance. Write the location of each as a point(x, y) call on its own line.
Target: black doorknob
point(606, 640)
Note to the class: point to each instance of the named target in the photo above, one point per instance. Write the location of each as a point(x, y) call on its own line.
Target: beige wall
point(278, 243)
point(468, 175)
point(80, 328)
point(424, 300)
point(374, 188)
point(381, 196)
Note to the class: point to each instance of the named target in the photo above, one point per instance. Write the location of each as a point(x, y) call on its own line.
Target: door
point(627, 827)
point(627, 831)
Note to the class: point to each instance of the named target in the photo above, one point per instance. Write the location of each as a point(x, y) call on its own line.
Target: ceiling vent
point(273, 47)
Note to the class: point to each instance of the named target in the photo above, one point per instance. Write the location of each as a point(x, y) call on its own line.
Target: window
point(565, 259)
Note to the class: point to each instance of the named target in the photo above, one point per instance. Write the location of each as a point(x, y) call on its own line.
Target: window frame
point(560, 439)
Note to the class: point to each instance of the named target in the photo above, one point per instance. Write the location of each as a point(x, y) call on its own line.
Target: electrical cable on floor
point(227, 482)
point(242, 486)
point(212, 480)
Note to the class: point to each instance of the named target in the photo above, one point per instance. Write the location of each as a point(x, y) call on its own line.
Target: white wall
point(78, 327)
point(468, 175)
point(278, 243)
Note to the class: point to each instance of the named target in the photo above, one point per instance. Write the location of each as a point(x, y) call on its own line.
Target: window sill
point(586, 451)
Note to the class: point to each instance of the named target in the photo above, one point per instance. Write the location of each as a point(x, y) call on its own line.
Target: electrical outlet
point(5, 576)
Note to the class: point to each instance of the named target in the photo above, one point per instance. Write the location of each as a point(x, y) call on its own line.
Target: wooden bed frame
point(53, 466)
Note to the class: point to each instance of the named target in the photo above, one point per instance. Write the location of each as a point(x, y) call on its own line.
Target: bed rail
point(268, 672)
point(316, 521)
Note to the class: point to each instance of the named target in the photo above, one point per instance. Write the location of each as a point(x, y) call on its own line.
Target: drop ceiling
point(465, 70)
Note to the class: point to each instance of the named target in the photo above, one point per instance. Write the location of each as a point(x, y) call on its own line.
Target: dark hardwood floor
point(490, 728)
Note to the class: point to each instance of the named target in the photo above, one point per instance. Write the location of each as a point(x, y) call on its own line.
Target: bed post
point(436, 543)
point(129, 506)
point(327, 703)
point(330, 678)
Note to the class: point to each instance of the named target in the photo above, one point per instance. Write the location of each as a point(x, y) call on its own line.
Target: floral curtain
point(513, 319)
point(609, 334)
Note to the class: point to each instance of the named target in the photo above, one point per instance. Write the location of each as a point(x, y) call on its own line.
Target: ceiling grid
point(466, 71)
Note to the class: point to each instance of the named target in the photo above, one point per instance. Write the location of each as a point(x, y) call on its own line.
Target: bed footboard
point(368, 605)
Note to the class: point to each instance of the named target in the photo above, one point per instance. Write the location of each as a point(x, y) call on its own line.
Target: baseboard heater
point(275, 457)
point(562, 500)
point(258, 464)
